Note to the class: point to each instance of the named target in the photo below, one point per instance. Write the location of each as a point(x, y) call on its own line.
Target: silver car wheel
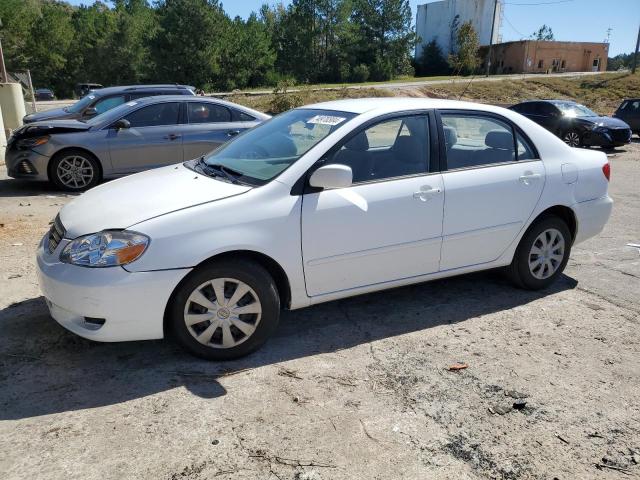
point(222, 313)
point(75, 172)
point(572, 139)
point(546, 254)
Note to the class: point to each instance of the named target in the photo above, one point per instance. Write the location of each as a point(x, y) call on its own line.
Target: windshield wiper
point(219, 170)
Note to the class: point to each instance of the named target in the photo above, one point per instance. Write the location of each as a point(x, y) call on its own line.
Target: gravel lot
point(356, 389)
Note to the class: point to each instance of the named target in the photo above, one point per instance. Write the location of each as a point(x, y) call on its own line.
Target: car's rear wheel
point(74, 171)
point(225, 310)
point(572, 138)
point(542, 254)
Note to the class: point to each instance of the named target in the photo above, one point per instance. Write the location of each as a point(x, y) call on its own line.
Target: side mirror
point(120, 124)
point(332, 176)
point(90, 112)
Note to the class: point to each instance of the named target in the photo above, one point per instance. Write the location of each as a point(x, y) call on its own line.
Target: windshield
point(80, 105)
point(262, 153)
point(575, 110)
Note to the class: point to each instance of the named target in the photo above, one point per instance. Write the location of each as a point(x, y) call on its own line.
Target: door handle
point(425, 193)
point(232, 133)
point(529, 177)
point(171, 136)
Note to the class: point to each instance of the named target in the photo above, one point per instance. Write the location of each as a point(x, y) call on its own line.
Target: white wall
point(433, 20)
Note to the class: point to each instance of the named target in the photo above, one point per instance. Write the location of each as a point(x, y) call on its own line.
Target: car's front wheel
point(225, 310)
point(542, 254)
point(572, 138)
point(74, 171)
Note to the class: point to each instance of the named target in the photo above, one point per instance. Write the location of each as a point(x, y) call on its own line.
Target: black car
point(104, 99)
point(575, 124)
point(44, 94)
point(629, 112)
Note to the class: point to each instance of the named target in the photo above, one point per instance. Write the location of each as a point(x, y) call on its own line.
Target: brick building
point(531, 56)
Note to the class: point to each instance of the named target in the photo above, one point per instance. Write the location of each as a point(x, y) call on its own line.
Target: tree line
point(195, 42)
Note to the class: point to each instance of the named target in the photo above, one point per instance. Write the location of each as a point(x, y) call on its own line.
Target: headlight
point(33, 141)
point(105, 249)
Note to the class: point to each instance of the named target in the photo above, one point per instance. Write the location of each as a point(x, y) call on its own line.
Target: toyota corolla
point(319, 203)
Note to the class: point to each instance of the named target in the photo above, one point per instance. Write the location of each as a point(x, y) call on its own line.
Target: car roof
point(194, 98)
point(394, 104)
point(134, 88)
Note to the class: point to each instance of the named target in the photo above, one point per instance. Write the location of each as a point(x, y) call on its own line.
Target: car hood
point(47, 115)
point(607, 122)
point(50, 127)
point(124, 202)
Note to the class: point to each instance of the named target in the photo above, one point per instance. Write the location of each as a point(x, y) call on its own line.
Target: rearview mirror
point(332, 176)
point(90, 112)
point(120, 124)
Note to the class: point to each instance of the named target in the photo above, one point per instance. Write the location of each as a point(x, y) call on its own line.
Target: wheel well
point(566, 214)
point(268, 263)
point(71, 149)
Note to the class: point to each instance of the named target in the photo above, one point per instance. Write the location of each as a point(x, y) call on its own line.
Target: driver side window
point(391, 148)
point(155, 115)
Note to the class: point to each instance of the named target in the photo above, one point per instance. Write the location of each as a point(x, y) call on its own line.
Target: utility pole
point(635, 55)
point(493, 24)
point(3, 70)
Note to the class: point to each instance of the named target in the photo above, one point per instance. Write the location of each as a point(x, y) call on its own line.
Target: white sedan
point(322, 202)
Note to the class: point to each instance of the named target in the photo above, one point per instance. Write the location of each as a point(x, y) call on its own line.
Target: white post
point(33, 97)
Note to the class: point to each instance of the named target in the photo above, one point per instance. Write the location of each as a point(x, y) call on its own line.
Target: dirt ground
point(355, 389)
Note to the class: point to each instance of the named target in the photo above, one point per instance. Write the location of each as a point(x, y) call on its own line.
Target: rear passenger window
point(525, 151)
point(239, 116)
point(207, 113)
point(474, 141)
point(391, 148)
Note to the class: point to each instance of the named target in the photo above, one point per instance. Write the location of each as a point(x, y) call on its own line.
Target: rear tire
point(542, 254)
point(572, 138)
point(74, 170)
point(225, 310)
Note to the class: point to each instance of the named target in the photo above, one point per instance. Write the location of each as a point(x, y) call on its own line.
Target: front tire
point(225, 310)
point(542, 254)
point(572, 138)
point(74, 171)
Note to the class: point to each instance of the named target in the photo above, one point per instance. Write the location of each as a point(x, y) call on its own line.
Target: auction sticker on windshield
point(326, 120)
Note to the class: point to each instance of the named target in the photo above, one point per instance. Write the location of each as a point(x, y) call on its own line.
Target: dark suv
point(629, 112)
point(99, 101)
point(575, 124)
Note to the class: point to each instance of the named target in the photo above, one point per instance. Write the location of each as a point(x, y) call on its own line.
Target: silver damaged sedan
point(142, 134)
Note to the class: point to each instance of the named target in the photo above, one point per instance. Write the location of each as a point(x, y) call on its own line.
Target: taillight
point(606, 169)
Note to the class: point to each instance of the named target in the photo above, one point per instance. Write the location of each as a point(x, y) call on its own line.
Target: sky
point(571, 20)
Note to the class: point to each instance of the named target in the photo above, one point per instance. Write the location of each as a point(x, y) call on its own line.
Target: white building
point(436, 20)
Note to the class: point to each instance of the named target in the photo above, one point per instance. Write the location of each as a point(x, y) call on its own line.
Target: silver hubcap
point(572, 139)
point(222, 313)
point(546, 254)
point(75, 172)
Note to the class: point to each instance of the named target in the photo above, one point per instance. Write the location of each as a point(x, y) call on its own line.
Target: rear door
point(493, 181)
point(210, 125)
point(153, 140)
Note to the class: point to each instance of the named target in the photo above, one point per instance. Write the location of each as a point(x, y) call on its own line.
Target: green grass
point(602, 93)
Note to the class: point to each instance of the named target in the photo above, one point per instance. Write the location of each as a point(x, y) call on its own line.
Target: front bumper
point(26, 164)
point(607, 138)
point(132, 305)
point(591, 217)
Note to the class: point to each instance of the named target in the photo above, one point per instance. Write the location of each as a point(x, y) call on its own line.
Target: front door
point(154, 139)
point(387, 225)
point(491, 186)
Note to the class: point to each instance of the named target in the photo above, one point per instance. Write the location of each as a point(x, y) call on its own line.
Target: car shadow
point(14, 187)
point(45, 369)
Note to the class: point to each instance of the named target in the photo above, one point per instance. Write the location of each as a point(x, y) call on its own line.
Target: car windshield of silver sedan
point(569, 109)
point(262, 153)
